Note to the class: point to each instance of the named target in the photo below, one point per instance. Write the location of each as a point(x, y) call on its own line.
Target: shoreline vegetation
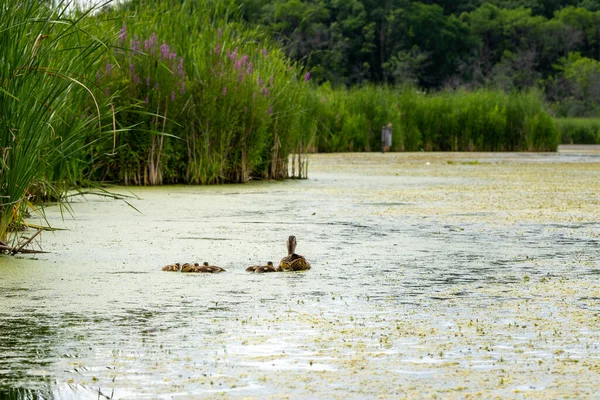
point(184, 92)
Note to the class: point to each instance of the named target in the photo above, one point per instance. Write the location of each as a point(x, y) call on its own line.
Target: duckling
point(172, 267)
point(205, 267)
point(293, 261)
point(188, 267)
point(260, 269)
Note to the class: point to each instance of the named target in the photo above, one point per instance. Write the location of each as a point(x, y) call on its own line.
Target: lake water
point(434, 274)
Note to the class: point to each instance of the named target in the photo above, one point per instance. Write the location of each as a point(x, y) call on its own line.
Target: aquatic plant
point(45, 102)
point(484, 120)
point(215, 102)
point(579, 130)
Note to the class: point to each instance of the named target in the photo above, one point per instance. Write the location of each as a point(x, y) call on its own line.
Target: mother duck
point(293, 261)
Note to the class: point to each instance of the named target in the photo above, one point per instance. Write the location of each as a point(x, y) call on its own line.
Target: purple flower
point(264, 51)
point(238, 64)
point(135, 44)
point(172, 56)
point(219, 32)
point(107, 91)
point(307, 77)
point(173, 95)
point(180, 67)
point(271, 80)
point(241, 78)
point(156, 86)
point(148, 81)
point(123, 34)
point(245, 110)
point(136, 79)
point(131, 67)
point(244, 59)
point(182, 87)
point(146, 45)
point(108, 69)
point(164, 50)
point(224, 90)
point(270, 110)
point(217, 48)
point(146, 100)
point(264, 91)
point(152, 41)
point(249, 69)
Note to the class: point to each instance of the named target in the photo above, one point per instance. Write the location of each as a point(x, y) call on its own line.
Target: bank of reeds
point(484, 120)
point(214, 101)
point(45, 102)
point(579, 130)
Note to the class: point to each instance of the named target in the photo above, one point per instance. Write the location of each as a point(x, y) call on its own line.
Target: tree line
point(498, 44)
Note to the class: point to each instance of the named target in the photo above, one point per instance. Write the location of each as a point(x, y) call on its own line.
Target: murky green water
point(432, 275)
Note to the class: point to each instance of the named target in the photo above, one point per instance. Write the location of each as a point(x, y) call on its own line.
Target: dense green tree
point(506, 44)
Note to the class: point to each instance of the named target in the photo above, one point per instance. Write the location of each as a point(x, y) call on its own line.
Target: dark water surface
point(432, 275)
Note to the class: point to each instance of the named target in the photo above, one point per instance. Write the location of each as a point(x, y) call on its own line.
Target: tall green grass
point(579, 130)
point(214, 101)
point(484, 120)
point(45, 101)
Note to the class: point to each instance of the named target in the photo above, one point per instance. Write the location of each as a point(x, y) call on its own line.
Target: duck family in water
point(291, 262)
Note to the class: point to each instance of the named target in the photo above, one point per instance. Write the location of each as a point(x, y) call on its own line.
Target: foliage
point(45, 102)
point(579, 130)
point(447, 121)
point(497, 44)
point(215, 102)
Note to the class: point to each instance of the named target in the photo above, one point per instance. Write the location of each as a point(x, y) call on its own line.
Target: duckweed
point(503, 302)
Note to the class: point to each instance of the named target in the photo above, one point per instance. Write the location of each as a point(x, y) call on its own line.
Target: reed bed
point(579, 130)
point(45, 103)
point(484, 120)
point(208, 100)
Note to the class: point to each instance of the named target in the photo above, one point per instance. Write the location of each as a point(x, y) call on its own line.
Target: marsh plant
point(213, 101)
point(579, 130)
point(483, 120)
point(45, 103)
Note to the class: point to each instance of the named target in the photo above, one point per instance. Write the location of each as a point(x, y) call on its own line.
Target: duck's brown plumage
point(172, 267)
point(293, 261)
point(211, 269)
point(261, 269)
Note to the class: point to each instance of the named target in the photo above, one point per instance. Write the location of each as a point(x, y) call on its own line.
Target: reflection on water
point(415, 276)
